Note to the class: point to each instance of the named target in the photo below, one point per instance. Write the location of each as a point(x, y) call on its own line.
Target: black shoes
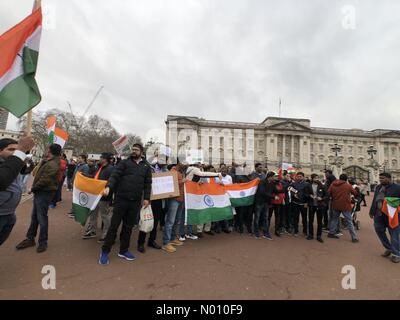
point(355, 240)
point(25, 244)
point(141, 248)
point(41, 248)
point(320, 240)
point(277, 234)
point(310, 238)
point(333, 236)
point(200, 235)
point(209, 233)
point(154, 245)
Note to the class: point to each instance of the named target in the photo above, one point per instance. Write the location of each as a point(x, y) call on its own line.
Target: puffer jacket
point(131, 180)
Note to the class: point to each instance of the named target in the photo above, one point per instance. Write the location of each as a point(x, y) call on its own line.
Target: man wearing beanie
point(43, 188)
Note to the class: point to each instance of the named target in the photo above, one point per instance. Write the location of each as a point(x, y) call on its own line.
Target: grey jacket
point(10, 198)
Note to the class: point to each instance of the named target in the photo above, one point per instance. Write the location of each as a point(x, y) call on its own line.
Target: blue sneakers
point(104, 259)
point(127, 255)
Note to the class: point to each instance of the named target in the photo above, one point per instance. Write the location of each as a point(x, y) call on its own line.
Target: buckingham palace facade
point(285, 140)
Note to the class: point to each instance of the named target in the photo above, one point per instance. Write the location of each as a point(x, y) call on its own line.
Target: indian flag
point(51, 127)
point(390, 208)
point(60, 137)
point(19, 49)
point(86, 195)
point(242, 194)
point(207, 202)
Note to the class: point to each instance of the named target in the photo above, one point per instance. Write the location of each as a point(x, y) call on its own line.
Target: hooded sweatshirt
point(341, 192)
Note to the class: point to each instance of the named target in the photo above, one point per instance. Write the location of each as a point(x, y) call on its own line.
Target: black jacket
point(322, 192)
point(302, 194)
point(131, 181)
point(9, 171)
point(264, 192)
point(105, 174)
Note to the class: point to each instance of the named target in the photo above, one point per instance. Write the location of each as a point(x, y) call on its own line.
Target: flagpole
point(36, 5)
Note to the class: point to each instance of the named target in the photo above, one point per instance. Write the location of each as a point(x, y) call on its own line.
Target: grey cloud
point(225, 60)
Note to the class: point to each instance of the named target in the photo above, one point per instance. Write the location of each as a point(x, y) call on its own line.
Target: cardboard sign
point(164, 186)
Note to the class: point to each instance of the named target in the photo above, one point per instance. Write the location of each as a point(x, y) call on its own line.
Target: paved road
point(219, 267)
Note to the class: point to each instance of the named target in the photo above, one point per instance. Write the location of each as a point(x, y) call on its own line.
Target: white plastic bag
point(146, 222)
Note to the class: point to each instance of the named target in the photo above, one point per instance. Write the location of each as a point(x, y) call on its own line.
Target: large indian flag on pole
point(86, 195)
point(19, 52)
point(242, 194)
point(207, 202)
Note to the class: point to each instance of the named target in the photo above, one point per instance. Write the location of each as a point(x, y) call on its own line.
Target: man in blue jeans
point(44, 187)
point(341, 192)
point(262, 204)
point(381, 221)
point(174, 213)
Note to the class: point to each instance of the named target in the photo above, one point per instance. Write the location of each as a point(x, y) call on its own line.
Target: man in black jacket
point(318, 202)
point(300, 194)
point(11, 167)
point(131, 182)
point(264, 195)
point(103, 173)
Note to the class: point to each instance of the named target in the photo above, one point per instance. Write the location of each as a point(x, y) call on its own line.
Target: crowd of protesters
point(283, 200)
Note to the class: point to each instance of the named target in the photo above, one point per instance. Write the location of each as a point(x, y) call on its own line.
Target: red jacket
point(280, 192)
point(341, 192)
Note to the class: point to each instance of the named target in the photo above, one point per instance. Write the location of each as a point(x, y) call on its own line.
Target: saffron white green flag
point(207, 202)
point(19, 53)
point(51, 127)
point(242, 194)
point(60, 137)
point(86, 196)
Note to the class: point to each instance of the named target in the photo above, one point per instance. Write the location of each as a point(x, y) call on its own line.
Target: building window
point(360, 150)
point(305, 143)
point(272, 140)
point(321, 147)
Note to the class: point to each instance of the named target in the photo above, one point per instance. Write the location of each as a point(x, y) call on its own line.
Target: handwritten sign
point(164, 186)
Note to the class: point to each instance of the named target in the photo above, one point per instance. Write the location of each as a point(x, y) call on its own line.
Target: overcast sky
point(220, 59)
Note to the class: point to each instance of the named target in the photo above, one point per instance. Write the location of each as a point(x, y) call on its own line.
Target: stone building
point(285, 140)
point(3, 119)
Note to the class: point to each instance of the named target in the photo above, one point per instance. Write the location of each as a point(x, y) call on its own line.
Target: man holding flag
point(385, 212)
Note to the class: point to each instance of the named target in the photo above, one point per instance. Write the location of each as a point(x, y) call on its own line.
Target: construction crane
point(93, 101)
point(87, 108)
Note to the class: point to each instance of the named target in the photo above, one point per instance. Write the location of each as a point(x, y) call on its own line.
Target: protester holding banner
point(131, 181)
point(44, 187)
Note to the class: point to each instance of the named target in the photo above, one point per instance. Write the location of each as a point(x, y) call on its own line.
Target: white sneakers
point(191, 236)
